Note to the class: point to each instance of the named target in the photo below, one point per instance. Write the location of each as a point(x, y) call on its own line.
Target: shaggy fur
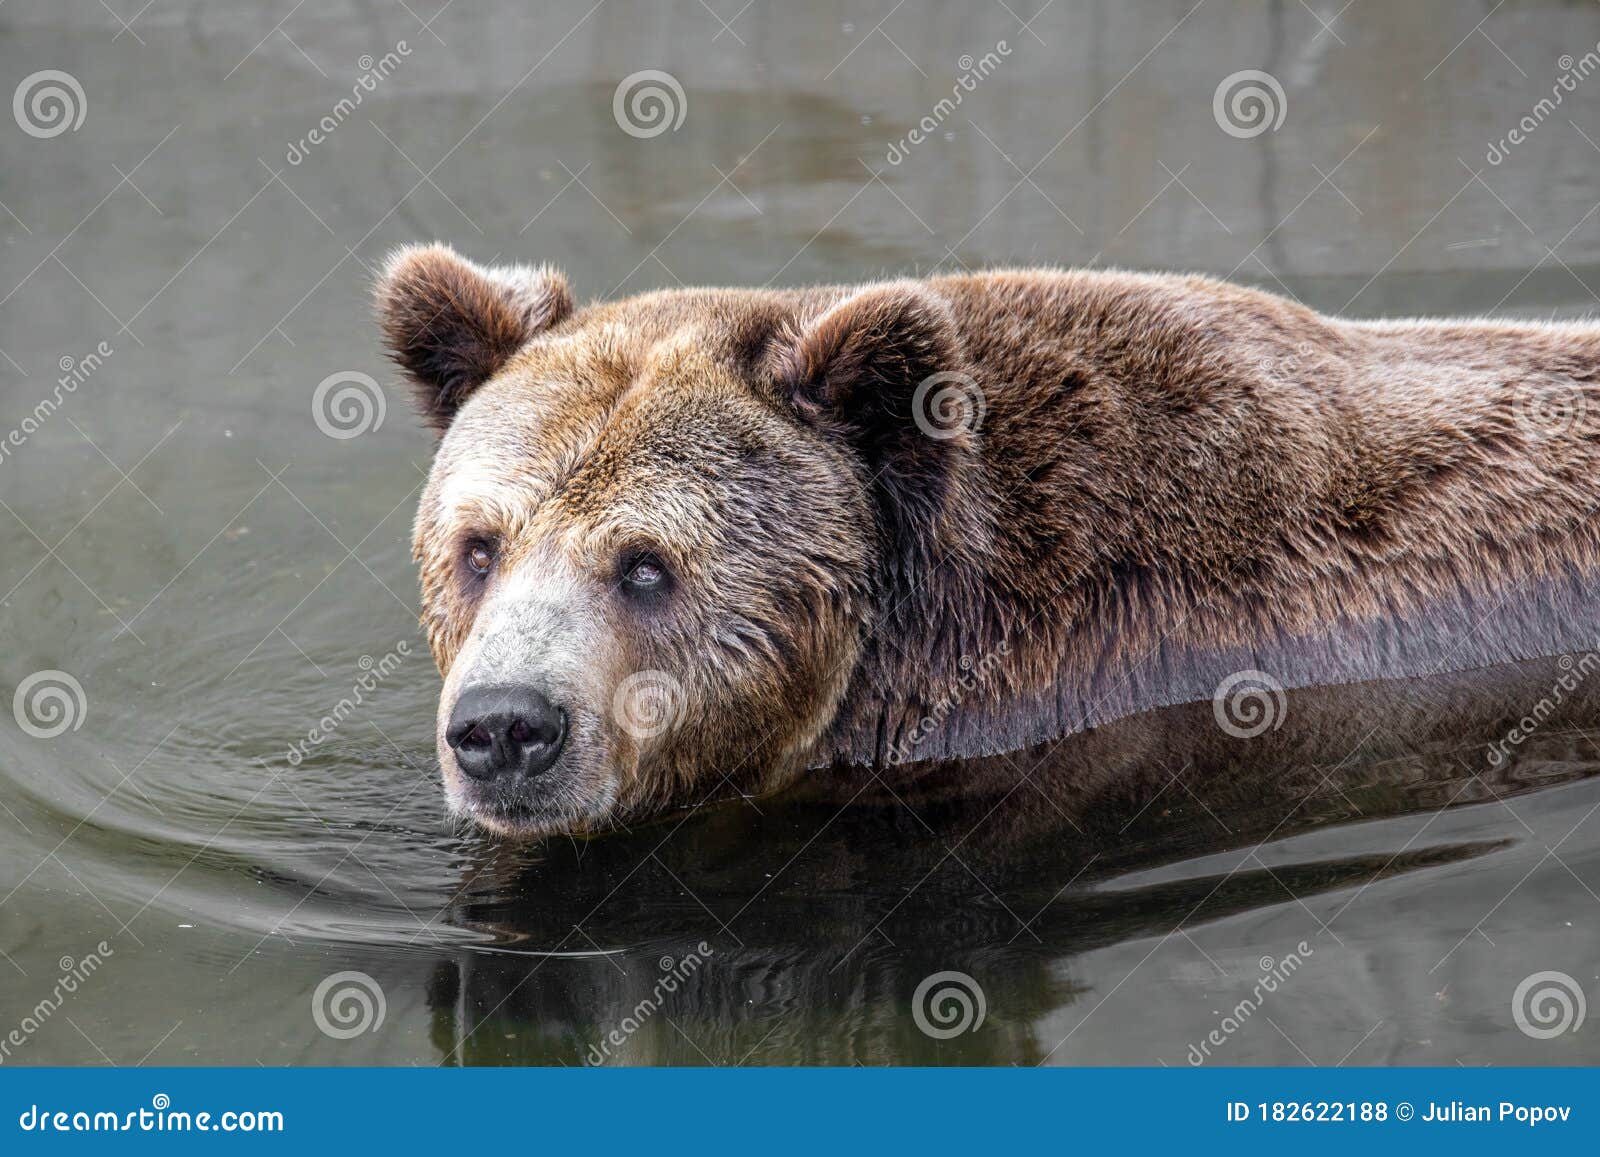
point(1121, 489)
point(451, 323)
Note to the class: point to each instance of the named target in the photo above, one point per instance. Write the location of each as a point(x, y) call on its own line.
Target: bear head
point(656, 531)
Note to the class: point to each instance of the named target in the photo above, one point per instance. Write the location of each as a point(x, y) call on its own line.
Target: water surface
point(217, 573)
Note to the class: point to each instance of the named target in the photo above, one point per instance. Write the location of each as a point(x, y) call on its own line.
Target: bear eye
point(480, 556)
point(644, 574)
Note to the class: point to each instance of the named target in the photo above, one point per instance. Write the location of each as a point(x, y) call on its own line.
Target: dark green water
point(181, 539)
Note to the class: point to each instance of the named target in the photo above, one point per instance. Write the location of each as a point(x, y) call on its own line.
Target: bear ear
point(451, 323)
point(886, 371)
point(857, 366)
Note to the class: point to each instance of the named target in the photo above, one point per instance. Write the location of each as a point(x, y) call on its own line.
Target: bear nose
point(503, 731)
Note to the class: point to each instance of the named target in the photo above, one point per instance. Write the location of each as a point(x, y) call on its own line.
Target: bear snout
point(505, 732)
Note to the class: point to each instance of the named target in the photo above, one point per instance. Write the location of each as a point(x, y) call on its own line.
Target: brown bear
point(707, 539)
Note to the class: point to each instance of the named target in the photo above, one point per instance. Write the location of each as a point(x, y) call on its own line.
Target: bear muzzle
point(505, 732)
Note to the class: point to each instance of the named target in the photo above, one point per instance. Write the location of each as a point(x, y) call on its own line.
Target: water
point(216, 573)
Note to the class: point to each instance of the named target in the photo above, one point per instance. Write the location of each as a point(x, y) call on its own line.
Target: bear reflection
point(932, 916)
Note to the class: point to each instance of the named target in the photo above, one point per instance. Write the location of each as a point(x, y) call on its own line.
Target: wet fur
point(1174, 479)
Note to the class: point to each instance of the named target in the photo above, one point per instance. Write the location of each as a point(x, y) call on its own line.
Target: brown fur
point(1173, 479)
point(450, 326)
